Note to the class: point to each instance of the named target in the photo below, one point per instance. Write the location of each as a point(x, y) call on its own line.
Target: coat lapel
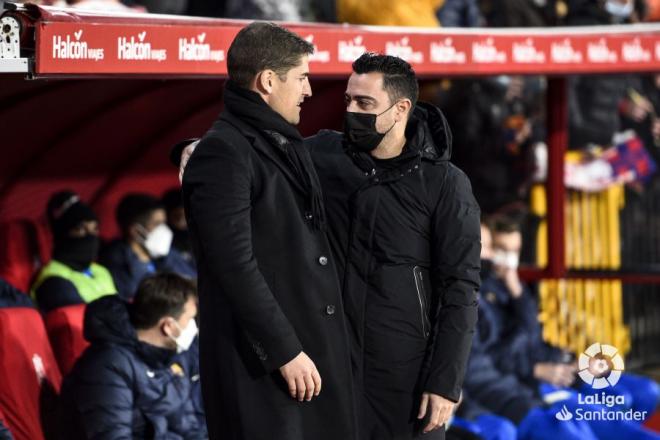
point(263, 146)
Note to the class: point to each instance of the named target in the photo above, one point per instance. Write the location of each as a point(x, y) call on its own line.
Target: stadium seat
point(3, 420)
point(65, 330)
point(29, 377)
point(19, 255)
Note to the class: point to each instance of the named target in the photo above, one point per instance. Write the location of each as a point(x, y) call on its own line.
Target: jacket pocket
point(418, 275)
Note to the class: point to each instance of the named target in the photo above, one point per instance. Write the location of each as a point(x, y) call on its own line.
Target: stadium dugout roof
point(70, 42)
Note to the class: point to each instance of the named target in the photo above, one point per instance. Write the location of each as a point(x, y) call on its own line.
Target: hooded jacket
point(405, 232)
point(122, 388)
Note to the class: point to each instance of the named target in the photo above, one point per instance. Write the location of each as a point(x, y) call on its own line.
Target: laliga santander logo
point(600, 366)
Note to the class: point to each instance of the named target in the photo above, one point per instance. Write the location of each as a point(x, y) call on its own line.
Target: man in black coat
point(405, 230)
point(275, 361)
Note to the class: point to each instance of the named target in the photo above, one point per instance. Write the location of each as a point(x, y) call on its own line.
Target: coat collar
point(275, 153)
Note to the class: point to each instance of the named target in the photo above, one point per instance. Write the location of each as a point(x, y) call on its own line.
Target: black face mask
point(360, 130)
point(77, 253)
point(486, 268)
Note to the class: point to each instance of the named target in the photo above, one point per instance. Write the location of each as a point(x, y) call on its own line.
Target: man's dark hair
point(159, 296)
point(136, 208)
point(172, 199)
point(504, 224)
point(260, 46)
point(399, 80)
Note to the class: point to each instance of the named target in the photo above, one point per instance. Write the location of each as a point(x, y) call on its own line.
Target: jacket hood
point(429, 132)
point(107, 321)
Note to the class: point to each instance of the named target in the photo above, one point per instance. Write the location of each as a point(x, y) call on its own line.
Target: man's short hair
point(172, 199)
point(136, 208)
point(399, 79)
point(158, 296)
point(504, 224)
point(260, 46)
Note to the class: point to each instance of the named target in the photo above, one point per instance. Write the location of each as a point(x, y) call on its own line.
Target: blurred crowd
point(426, 13)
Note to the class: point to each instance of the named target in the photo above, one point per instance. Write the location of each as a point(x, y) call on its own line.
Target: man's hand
point(302, 377)
point(513, 284)
point(561, 375)
point(439, 408)
point(185, 156)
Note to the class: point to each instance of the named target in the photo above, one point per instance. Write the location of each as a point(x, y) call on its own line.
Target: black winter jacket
point(406, 234)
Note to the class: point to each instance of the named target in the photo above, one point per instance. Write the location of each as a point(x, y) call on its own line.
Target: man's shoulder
point(325, 142)
point(222, 139)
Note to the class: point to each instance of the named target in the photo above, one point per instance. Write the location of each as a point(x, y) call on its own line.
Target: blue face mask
point(619, 10)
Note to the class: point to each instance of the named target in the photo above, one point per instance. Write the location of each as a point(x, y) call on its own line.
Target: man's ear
point(404, 107)
point(166, 327)
point(265, 80)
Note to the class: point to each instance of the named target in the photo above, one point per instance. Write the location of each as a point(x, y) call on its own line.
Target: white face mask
point(510, 260)
point(186, 337)
point(620, 10)
point(159, 241)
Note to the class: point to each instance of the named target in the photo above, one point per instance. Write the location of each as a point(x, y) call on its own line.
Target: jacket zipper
point(421, 297)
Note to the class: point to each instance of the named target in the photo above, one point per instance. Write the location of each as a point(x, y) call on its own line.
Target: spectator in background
point(508, 322)
point(522, 13)
point(12, 297)
point(145, 246)
point(420, 13)
point(640, 112)
point(460, 13)
point(497, 127)
point(135, 381)
point(72, 276)
point(176, 219)
point(172, 7)
point(594, 100)
point(96, 5)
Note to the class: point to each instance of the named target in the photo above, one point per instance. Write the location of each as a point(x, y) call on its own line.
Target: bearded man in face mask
point(405, 229)
point(145, 247)
point(72, 276)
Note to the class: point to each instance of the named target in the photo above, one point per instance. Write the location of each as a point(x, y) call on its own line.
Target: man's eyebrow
point(361, 97)
point(306, 74)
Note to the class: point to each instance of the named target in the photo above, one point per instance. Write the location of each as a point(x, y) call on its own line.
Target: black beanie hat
point(65, 211)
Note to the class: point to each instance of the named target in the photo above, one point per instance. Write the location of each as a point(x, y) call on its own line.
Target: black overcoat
point(406, 235)
point(268, 289)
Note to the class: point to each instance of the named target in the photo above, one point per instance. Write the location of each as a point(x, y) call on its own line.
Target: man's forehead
point(366, 84)
point(507, 239)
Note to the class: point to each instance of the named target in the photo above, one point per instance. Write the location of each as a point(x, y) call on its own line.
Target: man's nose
point(307, 89)
point(351, 107)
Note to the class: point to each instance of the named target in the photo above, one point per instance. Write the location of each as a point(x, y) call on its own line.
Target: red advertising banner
point(141, 45)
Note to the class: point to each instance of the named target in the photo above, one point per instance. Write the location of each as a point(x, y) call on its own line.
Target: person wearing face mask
point(72, 276)
point(136, 379)
point(404, 230)
point(508, 316)
point(145, 246)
